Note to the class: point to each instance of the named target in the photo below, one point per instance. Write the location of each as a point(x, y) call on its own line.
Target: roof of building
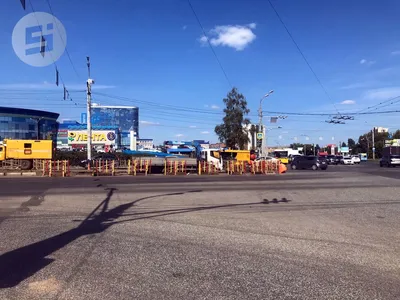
point(112, 106)
point(28, 112)
point(84, 127)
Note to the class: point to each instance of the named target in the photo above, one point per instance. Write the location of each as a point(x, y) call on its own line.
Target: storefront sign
point(99, 137)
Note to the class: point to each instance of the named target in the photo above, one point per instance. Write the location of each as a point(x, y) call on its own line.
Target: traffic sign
point(260, 135)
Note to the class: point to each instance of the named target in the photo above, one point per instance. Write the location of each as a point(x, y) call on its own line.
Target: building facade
point(125, 118)
point(27, 124)
point(145, 143)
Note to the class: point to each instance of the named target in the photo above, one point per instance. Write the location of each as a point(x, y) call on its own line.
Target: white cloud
point(148, 123)
point(234, 36)
point(320, 138)
point(348, 102)
point(179, 135)
point(214, 106)
point(205, 132)
point(397, 52)
point(184, 27)
point(382, 93)
point(205, 105)
point(367, 62)
point(192, 126)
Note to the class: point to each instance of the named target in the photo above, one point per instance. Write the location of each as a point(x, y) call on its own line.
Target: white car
point(267, 158)
point(356, 159)
point(347, 160)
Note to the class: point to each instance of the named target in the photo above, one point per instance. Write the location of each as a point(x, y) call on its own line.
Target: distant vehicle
point(363, 156)
point(266, 158)
point(390, 161)
point(292, 157)
point(284, 154)
point(308, 162)
point(338, 159)
point(391, 150)
point(347, 160)
point(331, 159)
point(356, 159)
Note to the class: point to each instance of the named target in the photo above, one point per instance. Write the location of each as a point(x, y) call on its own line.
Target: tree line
point(232, 132)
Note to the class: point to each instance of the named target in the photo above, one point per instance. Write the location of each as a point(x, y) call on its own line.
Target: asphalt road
point(303, 235)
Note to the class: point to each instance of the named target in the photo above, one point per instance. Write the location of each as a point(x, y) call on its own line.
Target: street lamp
point(260, 122)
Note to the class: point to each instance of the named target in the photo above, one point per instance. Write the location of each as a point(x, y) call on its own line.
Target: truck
point(391, 150)
point(23, 152)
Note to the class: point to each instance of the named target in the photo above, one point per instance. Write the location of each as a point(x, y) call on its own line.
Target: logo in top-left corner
point(39, 39)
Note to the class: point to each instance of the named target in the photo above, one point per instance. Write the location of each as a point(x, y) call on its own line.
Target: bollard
point(113, 168)
point(129, 167)
point(44, 169)
point(134, 167)
point(107, 167)
point(50, 168)
point(199, 168)
point(146, 167)
point(165, 167)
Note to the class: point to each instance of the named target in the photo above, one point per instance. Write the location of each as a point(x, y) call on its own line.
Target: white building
point(381, 129)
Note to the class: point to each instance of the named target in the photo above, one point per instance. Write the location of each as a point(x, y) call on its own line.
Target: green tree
point(396, 134)
point(232, 131)
point(352, 145)
point(344, 144)
point(296, 145)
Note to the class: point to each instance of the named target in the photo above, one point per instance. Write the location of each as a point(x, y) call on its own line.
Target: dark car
point(109, 157)
point(331, 160)
point(390, 161)
point(309, 162)
point(338, 159)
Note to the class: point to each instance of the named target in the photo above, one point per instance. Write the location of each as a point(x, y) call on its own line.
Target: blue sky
point(152, 51)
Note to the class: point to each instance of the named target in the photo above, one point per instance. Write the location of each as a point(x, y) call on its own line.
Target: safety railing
point(236, 167)
point(175, 167)
point(206, 168)
point(136, 166)
point(102, 167)
point(51, 168)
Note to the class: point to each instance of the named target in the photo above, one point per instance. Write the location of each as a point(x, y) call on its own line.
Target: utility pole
point(260, 124)
point(89, 111)
point(373, 143)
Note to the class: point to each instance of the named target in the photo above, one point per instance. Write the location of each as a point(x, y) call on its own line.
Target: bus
point(285, 154)
point(363, 156)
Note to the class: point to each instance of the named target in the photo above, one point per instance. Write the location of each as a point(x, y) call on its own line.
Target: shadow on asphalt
point(19, 264)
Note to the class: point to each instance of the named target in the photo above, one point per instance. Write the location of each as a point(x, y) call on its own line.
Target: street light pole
point(373, 143)
point(260, 123)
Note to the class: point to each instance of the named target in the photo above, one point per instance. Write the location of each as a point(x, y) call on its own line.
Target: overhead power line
point(209, 43)
point(386, 102)
point(58, 75)
point(303, 56)
point(321, 114)
point(65, 46)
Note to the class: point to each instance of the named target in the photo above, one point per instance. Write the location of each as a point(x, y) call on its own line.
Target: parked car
point(102, 157)
point(308, 162)
point(266, 158)
point(390, 161)
point(331, 159)
point(292, 157)
point(356, 159)
point(338, 159)
point(347, 160)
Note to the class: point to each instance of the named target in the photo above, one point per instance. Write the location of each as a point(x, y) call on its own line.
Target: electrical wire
point(209, 43)
point(62, 39)
point(304, 57)
point(321, 114)
point(54, 63)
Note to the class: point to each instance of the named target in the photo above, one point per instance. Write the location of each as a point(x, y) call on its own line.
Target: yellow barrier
point(175, 167)
point(139, 166)
point(204, 167)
